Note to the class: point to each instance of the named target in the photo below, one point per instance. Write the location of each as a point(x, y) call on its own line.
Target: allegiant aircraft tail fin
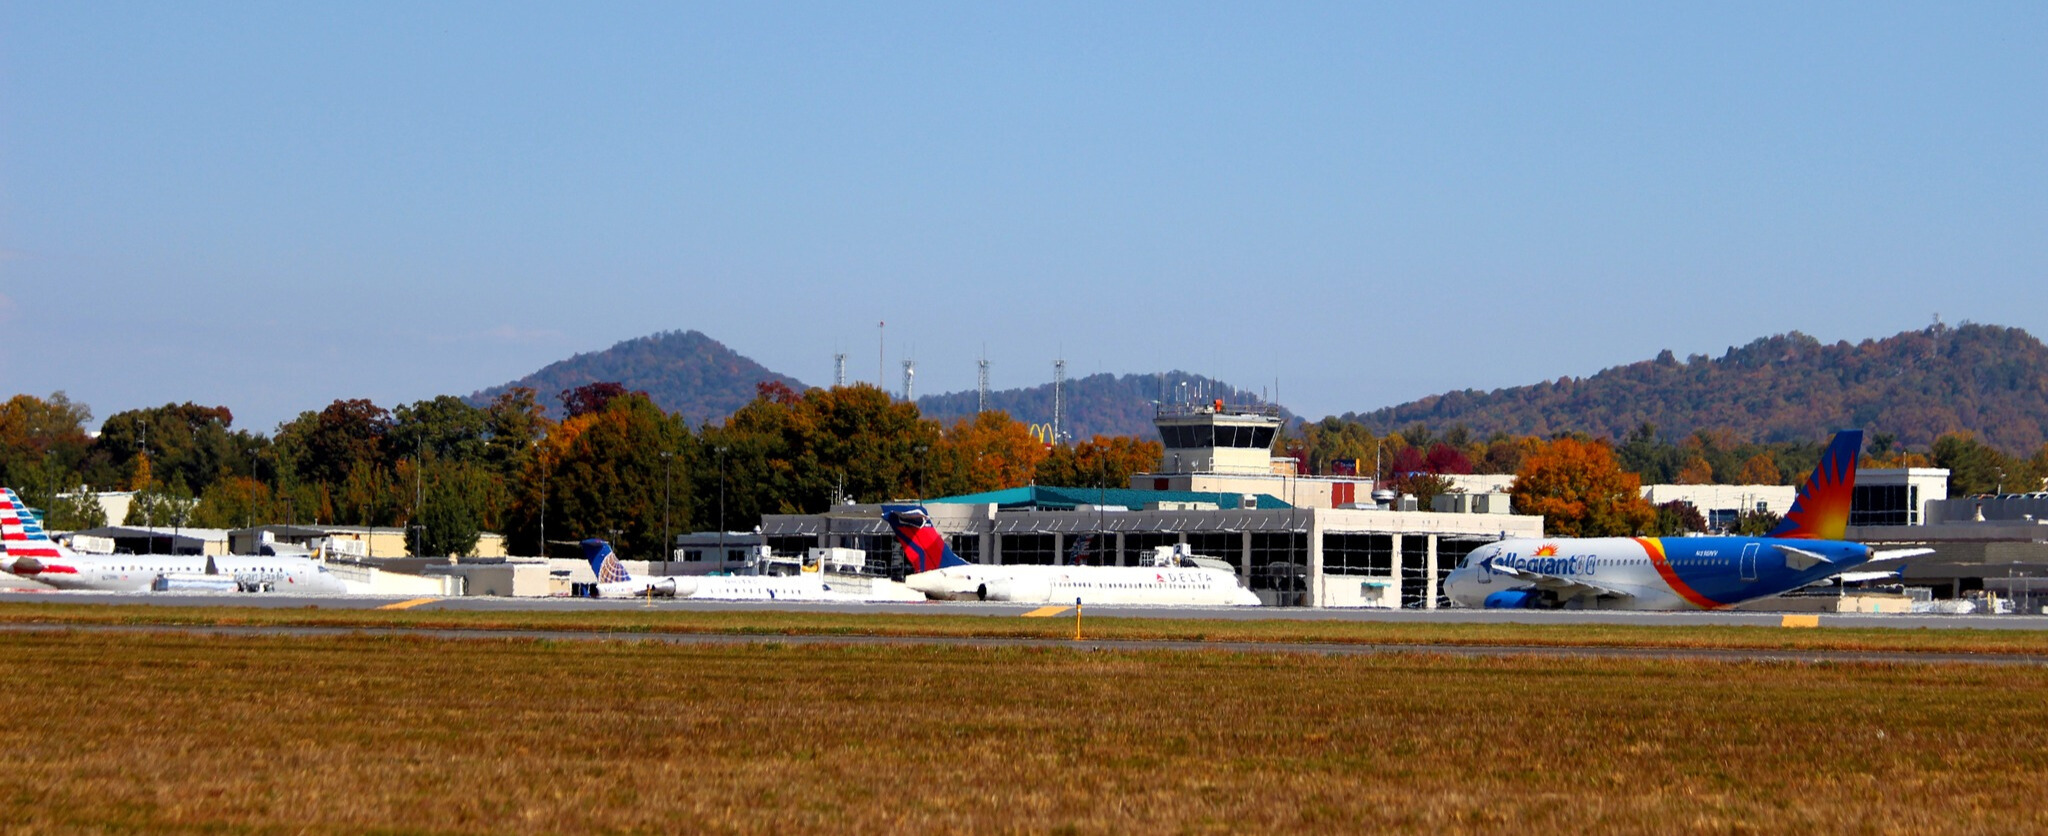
point(922, 543)
point(1821, 512)
point(604, 563)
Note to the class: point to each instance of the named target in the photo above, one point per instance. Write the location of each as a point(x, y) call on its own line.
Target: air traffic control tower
point(1218, 438)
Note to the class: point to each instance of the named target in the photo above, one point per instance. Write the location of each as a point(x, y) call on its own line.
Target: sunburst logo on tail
point(1546, 550)
point(1822, 510)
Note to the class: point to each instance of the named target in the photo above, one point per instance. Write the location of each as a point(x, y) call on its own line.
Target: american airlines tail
point(1821, 511)
point(22, 537)
point(922, 543)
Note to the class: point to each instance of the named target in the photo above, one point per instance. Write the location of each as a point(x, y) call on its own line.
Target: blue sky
point(273, 205)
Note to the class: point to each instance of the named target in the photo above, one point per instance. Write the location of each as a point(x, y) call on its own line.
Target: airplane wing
point(1563, 588)
point(1898, 554)
point(1853, 577)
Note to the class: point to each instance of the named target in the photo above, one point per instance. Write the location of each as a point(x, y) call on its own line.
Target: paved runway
point(1448, 616)
point(1313, 648)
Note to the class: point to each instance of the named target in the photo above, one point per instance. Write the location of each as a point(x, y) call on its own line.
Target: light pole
point(541, 458)
point(721, 507)
point(668, 541)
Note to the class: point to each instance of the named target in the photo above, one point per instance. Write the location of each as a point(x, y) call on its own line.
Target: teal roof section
point(1048, 498)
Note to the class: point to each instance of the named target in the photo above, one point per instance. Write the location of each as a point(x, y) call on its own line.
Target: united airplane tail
point(1821, 511)
point(922, 543)
point(604, 563)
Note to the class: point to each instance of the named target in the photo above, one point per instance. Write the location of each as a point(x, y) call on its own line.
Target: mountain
point(1915, 385)
point(683, 371)
point(1099, 404)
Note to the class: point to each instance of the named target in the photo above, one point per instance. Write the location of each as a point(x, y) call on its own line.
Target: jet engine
point(1011, 589)
point(1515, 599)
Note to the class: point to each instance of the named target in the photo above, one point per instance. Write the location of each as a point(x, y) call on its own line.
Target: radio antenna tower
point(839, 369)
point(1059, 385)
point(909, 380)
point(981, 387)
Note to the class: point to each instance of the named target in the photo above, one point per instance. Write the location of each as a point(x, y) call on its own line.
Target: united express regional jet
point(1682, 573)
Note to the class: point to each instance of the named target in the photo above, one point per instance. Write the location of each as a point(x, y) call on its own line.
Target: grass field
point(885, 624)
point(179, 733)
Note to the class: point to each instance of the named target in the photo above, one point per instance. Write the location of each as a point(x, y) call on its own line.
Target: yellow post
point(1077, 619)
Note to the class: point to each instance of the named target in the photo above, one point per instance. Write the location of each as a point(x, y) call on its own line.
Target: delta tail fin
point(604, 563)
point(922, 543)
point(1821, 511)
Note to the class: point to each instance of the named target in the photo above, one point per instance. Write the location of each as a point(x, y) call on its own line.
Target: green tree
point(452, 518)
point(193, 443)
point(1973, 466)
point(602, 476)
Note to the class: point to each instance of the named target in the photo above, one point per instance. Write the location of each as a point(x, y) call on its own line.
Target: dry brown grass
point(659, 620)
point(164, 733)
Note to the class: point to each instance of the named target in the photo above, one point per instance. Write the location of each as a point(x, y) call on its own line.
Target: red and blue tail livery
point(1821, 511)
point(922, 543)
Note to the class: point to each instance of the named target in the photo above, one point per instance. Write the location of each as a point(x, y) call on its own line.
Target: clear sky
point(272, 205)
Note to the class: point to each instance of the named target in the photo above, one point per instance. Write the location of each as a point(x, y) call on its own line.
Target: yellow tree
point(1581, 491)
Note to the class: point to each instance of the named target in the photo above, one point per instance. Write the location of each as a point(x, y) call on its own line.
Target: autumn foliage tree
point(988, 452)
point(1108, 461)
point(1581, 491)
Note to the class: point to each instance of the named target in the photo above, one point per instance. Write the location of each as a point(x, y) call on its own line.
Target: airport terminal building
point(1296, 540)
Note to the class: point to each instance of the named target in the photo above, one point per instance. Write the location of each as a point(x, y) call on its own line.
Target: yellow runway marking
point(1046, 612)
point(406, 605)
point(1800, 621)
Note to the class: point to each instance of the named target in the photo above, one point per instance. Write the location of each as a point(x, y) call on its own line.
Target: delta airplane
point(1683, 573)
point(25, 551)
point(943, 575)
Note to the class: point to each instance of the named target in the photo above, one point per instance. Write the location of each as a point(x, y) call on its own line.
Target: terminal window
point(1358, 554)
point(1884, 505)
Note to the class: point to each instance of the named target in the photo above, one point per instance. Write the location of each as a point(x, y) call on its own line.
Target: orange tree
point(1581, 491)
point(1103, 460)
point(988, 452)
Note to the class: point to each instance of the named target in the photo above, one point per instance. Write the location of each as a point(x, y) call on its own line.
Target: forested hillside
point(1099, 404)
point(684, 372)
point(1985, 379)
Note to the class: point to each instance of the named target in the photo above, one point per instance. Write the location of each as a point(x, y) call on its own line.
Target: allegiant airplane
point(1682, 573)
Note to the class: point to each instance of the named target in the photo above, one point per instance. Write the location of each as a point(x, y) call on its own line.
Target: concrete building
point(1993, 548)
point(1721, 505)
point(135, 539)
point(348, 540)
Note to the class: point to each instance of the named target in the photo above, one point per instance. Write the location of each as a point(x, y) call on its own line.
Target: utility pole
point(419, 495)
point(839, 369)
point(1059, 385)
point(881, 340)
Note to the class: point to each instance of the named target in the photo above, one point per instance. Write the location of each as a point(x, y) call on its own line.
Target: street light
point(721, 507)
point(668, 541)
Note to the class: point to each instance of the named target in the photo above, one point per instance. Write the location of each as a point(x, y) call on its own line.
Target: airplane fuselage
point(138, 573)
point(1648, 573)
point(1090, 584)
